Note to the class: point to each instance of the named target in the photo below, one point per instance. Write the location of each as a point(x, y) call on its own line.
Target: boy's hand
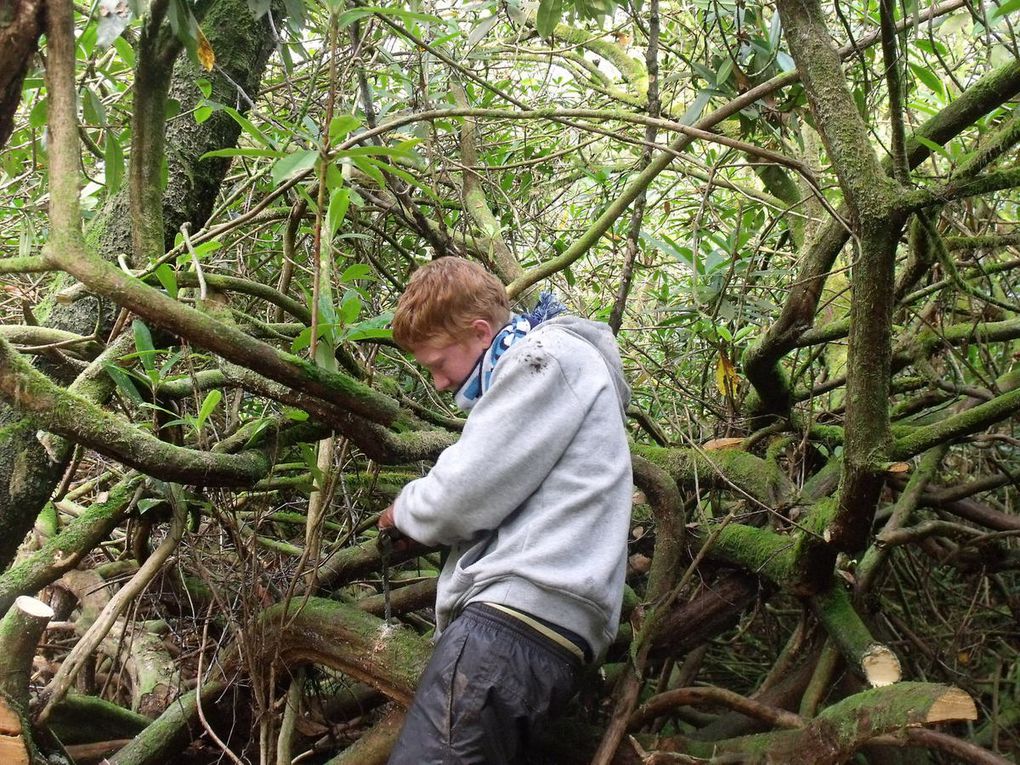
point(388, 528)
point(386, 519)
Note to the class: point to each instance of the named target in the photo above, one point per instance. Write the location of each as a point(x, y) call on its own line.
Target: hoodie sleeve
point(513, 438)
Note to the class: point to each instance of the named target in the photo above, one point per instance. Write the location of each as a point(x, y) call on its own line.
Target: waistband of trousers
point(528, 628)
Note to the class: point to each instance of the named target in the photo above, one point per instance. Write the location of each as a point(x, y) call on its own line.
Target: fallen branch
point(345, 638)
point(876, 661)
point(841, 729)
point(75, 661)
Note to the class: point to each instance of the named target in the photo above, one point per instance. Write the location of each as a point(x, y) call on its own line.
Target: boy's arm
point(513, 437)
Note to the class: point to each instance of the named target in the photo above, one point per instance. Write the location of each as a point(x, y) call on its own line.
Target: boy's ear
point(482, 330)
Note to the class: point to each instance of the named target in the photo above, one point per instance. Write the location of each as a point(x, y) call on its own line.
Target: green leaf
point(26, 238)
point(1004, 10)
point(356, 271)
point(342, 125)
point(173, 358)
point(376, 327)
point(92, 108)
point(204, 87)
point(242, 153)
point(202, 113)
point(693, 113)
point(143, 344)
point(123, 381)
point(482, 29)
point(358, 332)
point(350, 16)
point(312, 462)
point(168, 279)
point(248, 127)
point(258, 429)
point(293, 165)
point(370, 168)
point(350, 308)
point(145, 504)
point(184, 26)
point(724, 72)
point(259, 8)
point(302, 341)
point(931, 146)
point(39, 114)
point(549, 14)
point(212, 398)
point(203, 249)
point(295, 14)
point(929, 78)
point(113, 163)
point(386, 167)
point(126, 51)
point(339, 201)
point(402, 149)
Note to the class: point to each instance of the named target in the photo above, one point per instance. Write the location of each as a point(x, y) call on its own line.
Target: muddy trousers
point(491, 684)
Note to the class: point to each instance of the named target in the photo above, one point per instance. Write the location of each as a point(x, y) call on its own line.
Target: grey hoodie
point(534, 499)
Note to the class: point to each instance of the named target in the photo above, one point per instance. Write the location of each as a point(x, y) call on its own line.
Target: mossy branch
point(42, 339)
point(957, 188)
point(868, 190)
point(841, 729)
point(347, 639)
point(73, 416)
point(957, 426)
point(229, 342)
point(63, 151)
point(760, 551)
point(632, 69)
point(64, 551)
point(727, 469)
point(374, 745)
point(872, 659)
point(379, 443)
point(170, 732)
point(920, 346)
point(28, 264)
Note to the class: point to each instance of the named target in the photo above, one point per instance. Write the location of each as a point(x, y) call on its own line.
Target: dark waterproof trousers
point(491, 684)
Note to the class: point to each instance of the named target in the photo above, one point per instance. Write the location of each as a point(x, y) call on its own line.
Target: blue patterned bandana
point(519, 326)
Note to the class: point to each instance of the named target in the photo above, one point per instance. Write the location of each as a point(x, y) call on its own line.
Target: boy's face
point(450, 362)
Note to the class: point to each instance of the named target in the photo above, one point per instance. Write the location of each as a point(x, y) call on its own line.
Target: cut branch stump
point(20, 630)
point(839, 731)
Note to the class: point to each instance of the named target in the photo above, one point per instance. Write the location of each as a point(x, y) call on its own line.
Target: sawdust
point(383, 636)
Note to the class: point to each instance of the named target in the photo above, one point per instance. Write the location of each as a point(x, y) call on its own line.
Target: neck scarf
point(476, 383)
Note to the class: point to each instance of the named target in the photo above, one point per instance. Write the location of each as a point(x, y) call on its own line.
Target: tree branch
point(75, 417)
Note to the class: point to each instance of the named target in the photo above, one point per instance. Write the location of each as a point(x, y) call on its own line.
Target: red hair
point(443, 298)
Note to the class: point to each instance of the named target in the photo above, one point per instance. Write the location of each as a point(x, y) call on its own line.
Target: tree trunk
point(20, 27)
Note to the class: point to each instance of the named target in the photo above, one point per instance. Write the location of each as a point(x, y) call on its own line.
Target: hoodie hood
point(600, 336)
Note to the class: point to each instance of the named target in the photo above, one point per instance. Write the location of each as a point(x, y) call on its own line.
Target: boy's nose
point(441, 382)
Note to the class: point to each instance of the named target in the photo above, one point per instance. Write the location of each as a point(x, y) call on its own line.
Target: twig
point(202, 287)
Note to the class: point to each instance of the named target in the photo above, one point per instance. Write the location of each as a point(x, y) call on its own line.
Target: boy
point(533, 501)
